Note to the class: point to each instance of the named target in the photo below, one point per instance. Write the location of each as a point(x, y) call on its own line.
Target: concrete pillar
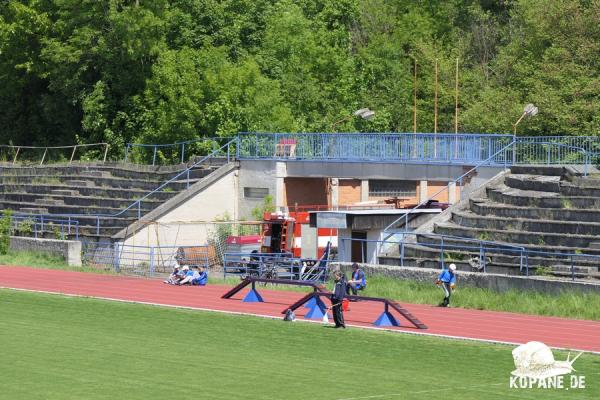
point(335, 192)
point(423, 191)
point(280, 175)
point(364, 190)
point(452, 192)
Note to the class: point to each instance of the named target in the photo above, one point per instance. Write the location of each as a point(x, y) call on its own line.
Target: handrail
point(183, 144)
point(46, 148)
point(519, 251)
point(459, 179)
point(138, 202)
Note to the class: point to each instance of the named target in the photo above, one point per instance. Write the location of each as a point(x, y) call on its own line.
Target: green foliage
point(168, 70)
point(5, 231)
point(543, 271)
point(267, 206)
point(25, 227)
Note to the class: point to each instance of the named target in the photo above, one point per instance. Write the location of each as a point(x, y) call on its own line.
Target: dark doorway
point(359, 246)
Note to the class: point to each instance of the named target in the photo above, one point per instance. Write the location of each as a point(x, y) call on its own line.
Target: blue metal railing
point(39, 226)
point(172, 151)
point(274, 266)
point(376, 147)
point(141, 260)
point(482, 248)
point(451, 184)
point(136, 206)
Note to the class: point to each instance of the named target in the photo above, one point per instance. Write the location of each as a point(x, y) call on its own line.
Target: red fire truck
point(291, 233)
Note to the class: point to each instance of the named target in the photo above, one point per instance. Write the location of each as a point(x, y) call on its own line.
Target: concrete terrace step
point(507, 257)
point(45, 201)
point(124, 171)
point(472, 220)
point(71, 209)
point(33, 210)
point(482, 207)
point(77, 182)
point(517, 237)
point(89, 201)
point(64, 192)
point(494, 267)
point(120, 193)
point(538, 183)
point(530, 198)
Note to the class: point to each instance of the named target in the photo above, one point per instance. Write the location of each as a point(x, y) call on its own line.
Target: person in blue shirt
point(357, 282)
point(201, 278)
point(189, 275)
point(447, 280)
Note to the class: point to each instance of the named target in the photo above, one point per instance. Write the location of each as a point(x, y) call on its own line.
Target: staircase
point(542, 216)
point(94, 194)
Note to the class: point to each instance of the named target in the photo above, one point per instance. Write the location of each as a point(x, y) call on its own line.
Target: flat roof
point(391, 211)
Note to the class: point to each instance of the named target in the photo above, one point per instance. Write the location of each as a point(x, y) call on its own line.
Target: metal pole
point(105, 153)
point(402, 253)
point(72, 154)
point(152, 261)
point(188, 179)
point(154, 156)
point(456, 100)
point(44, 156)
point(182, 152)
point(16, 154)
point(442, 251)
point(415, 98)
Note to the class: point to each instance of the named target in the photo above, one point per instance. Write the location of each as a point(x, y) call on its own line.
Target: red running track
point(450, 322)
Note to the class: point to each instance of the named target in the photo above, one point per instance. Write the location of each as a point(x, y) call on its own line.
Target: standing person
point(447, 280)
point(358, 281)
point(339, 291)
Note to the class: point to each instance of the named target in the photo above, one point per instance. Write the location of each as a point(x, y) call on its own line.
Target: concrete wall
point(271, 174)
point(70, 250)
point(260, 174)
point(212, 200)
point(499, 283)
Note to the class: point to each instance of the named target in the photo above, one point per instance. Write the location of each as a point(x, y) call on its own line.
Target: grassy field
point(56, 347)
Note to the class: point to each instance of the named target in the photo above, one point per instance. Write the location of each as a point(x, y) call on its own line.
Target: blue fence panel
point(142, 260)
point(376, 147)
point(274, 266)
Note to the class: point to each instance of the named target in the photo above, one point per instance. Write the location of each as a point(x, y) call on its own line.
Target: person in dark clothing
point(357, 282)
point(337, 297)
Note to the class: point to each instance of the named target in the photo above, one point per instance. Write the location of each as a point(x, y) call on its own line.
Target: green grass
point(44, 260)
point(57, 347)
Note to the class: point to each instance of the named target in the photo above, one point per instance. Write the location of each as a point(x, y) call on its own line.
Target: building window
point(255, 193)
point(389, 188)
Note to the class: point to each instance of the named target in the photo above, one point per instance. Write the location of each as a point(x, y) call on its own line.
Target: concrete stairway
point(540, 210)
point(86, 190)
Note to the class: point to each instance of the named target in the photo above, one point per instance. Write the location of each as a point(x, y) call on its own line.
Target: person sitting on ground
point(357, 282)
point(189, 275)
point(176, 275)
point(447, 280)
point(200, 277)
